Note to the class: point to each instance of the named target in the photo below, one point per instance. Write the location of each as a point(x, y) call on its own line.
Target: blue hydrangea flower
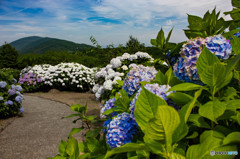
point(9, 102)
point(11, 92)
point(219, 46)
point(160, 91)
point(136, 75)
point(3, 84)
point(237, 34)
point(185, 69)
point(120, 130)
point(108, 105)
point(18, 88)
point(105, 124)
point(19, 99)
point(21, 110)
point(1, 98)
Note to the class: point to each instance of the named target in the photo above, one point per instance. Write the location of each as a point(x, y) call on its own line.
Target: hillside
point(36, 44)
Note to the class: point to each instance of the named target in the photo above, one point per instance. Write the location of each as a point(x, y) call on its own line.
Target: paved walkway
point(37, 134)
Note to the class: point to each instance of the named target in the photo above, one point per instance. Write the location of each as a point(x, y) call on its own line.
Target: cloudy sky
point(109, 21)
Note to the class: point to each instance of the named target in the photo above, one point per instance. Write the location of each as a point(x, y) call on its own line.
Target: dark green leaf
point(198, 121)
point(180, 98)
point(74, 131)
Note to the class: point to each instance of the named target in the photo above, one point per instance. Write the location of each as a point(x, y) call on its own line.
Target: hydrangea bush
point(30, 82)
point(10, 100)
point(155, 115)
point(66, 76)
point(107, 78)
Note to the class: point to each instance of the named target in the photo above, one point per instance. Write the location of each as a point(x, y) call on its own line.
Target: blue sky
point(109, 21)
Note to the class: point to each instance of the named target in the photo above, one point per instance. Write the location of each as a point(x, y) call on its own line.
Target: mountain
point(36, 44)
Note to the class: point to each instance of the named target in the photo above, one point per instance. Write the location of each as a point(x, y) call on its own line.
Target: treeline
point(90, 57)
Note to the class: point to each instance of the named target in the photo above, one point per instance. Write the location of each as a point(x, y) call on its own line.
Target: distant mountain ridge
point(36, 44)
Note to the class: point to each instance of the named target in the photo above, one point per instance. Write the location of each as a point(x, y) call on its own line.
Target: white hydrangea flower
point(124, 67)
point(95, 88)
point(115, 63)
point(107, 85)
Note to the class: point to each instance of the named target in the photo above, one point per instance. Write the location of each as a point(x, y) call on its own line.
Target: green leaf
point(222, 129)
point(72, 148)
point(203, 149)
point(92, 144)
point(93, 133)
point(233, 138)
point(236, 3)
point(146, 106)
point(195, 22)
point(182, 129)
point(77, 108)
point(129, 147)
point(185, 87)
point(155, 146)
point(164, 124)
point(176, 156)
point(169, 35)
point(74, 131)
point(160, 78)
point(230, 93)
point(62, 148)
point(206, 59)
point(212, 110)
point(160, 39)
point(122, 104)
point(198, 121)
point(193, 135)
point(180, 98)
point(169, 75)
point(233, 104)
point(153, 42)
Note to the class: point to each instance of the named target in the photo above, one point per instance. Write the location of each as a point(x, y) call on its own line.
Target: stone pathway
point(37, 134)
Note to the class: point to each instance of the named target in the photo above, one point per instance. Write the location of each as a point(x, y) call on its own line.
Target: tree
point(133, 45)
point(8, 56)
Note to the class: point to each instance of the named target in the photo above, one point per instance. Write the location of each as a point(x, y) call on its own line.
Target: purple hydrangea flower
point(19, 99)
point(11, 91)
point(21, 110)
point(160, 91)
point(3, 84)
point(108, 105)
point(120, 130)
point(136, 75)
point(219, 46)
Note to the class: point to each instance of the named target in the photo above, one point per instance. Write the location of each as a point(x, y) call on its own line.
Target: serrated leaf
point(180, 98)
point(212, 110)
point(198, 121)
point(72, 148)
point(206, 59)
point(160, 78)
point(62, 147)
point(232, 138)
point(163, 125)
point(129, 147)
point(74, 131)
point(185, 87)
point(146, 106)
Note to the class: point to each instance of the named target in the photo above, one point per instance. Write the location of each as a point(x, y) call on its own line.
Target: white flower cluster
point(110, 76)
point(66, 75)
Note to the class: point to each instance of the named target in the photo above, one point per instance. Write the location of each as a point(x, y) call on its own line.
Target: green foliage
point(209, 25)
point(9, 74)
point(235, 15)
point(133, 45)
point(8, 56)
